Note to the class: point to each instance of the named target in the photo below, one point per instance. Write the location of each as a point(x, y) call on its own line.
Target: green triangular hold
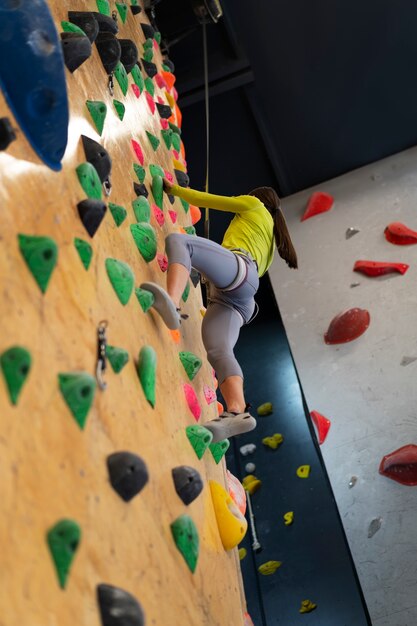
point(156, 170)
point(121, 278)
point(118, 212)
point(157, 187)
point(103, 6)
point(145, 297)
point(148, 54)
point(145, 240)
point(63, 540)
point(191, 363)
point(98, 112)
point(176, 141)
point(120, 108)
point(78, 390)
point(68, 27)
point(141, 209)
point(137, 77)
point(122, 8)
point(166, 136)
point(140, 172)
point(219, 449)
point(185, 205)
point(89, 180)
point(174, 128)
point(146, 369)
point(148, 43)
point(85, 251)
point(154, 141)
point(15, 364)
point(200, 438)
point(118, 358)
point(40, 254)
point(186, 293)
point(121, 77)
point(190, 230)
point(166, 68)
point(186, 539)
point(157, 36)
point(149, 86)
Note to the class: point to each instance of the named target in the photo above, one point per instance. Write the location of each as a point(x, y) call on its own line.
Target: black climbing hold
point(130, 54)
point(118, 607)
point(76, 50)
point(148, 31)
point(140, 190)
point(106, 24)
point(150, 68)
point(128, 474)
point(135, 9)
point(170, 64)
point(97, 156)
point(86, 21)
point(188, 483)
point(164, 110)
point(109, 50)
point(7, 134)
point(91, 213)
point(171, 198)
point(182, 178)
point(195, 277)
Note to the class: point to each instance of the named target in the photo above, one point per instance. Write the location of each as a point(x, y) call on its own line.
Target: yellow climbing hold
point(242, 553)
point(203, 311)
point(303, 471)
point(273, 441)
point(231, 523)
point(251, 484)
point(265, 409)
point(179, 166)
point(268, 568)
point(288, 518)
point(307, 606)
point(170, 99)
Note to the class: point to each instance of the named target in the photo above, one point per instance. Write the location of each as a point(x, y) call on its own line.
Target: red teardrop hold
point(347, 326)
point(322, 425)
point(401, 465)
point(400, 234)
point(378, 268)
point(319, 202)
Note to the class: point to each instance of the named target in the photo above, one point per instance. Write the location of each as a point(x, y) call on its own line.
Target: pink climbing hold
point(158, 215)
point(237, 491)
point(169, 176)
point(173, 215)
point(192, 401)
point(322, 425)
point(176, 155)
point(162, 261)
point(400, 234)
point(138, 151)
point(209, 394)
point(319, 202)
point(175, 94)
point(136, 90)
point(378, 268)
point(160, 100)
point(164, 123)
point(347, 326)
point(150, 101)
point(160, 81)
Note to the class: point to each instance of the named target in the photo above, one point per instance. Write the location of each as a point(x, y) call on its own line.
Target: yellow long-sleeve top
point(251, 229)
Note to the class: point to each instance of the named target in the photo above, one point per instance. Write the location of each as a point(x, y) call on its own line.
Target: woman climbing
point(232, 270)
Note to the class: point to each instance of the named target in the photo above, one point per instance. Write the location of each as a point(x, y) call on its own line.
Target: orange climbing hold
point(237, 491)
point(169, 79)
point(195, 214)
point(220, 407)
point(176, 335)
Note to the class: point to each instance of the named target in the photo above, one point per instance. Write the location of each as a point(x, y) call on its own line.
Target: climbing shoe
point(163, 305)
point(229, 424)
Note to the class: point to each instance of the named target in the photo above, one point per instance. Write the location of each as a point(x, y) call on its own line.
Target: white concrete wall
point(361, 386)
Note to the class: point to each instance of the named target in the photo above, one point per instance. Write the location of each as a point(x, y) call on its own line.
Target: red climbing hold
point(322, 424)
point(150, 101)
point(378, 268)
point(400, 234)
point(162, 261)
point(164, 124)
point(319, 202)
point(136, 90)
point(169, 176)
point(161, 82)
point(176, 155)
point(192, 401)
point(173, 215)
point(401, 465)
point(138, 151)
point(159, 216)
point(347, 326)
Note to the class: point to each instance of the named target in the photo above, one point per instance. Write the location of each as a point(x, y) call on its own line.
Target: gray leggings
point(226, 311)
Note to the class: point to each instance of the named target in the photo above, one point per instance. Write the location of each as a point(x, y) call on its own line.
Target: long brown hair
point(271, 201)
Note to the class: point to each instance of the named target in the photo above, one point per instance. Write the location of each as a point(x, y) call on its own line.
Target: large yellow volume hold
point(231, 523)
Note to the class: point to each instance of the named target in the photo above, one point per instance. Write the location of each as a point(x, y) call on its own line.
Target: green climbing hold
point(103, 6)
point(145, 240)
point(121, 77)
point(137, 77)
point(40, 254)
point(186, 292)
point(118, 212)
point(63, 540)
point(186, 539)
point(145, 297)
point(85, 251)
point(176, 141)
point(148, 54)
point(141, 209)
point(68, 27)
point(219, 449)
point(78, 390)
point(157, 187)
point(89, 180)
point(200, 438)
point(121, 278)
point(118, 358)
point(148, 43)
point(156, 170)
point(120, 108)
point(140, 172)
point(122, 8)
point(174, 128)
point(15, 364)
point(190, 230)
point(191, 363)
point(154, 141)
point(185, 205)
point(166, 136)
point(157, 37)
point(98, 111)
point(149, 86)
point(146, 369)
point(166, 68)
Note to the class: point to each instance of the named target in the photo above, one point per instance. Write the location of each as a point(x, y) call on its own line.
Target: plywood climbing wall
point(50, 468)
